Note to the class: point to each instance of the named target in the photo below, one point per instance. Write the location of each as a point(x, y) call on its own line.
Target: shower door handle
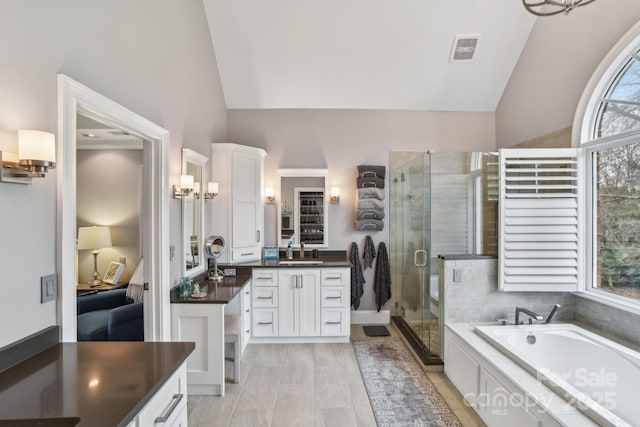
point(424, 258)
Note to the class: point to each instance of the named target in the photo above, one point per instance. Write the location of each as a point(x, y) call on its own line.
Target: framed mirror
point(303, 210)
point(194, 260)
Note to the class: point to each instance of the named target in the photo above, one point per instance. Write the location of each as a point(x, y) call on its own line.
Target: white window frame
point(583, 135)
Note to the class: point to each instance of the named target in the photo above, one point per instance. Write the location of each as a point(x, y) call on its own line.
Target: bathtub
point(598, 376)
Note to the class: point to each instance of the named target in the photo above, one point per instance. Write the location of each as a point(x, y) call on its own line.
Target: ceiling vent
point(464, 47)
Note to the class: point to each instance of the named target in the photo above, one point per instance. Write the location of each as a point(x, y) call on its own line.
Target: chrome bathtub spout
point(527, 312)
point(551, 313)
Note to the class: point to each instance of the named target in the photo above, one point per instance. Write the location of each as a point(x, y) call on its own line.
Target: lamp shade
point(36, 145)
point(186, 182)
point(94, 238)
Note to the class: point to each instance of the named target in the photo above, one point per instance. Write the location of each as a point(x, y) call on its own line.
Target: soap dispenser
point(289, 251)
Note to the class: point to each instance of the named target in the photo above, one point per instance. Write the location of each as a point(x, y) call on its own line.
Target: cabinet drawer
point(246, 254)
point(333, 296)
point(265, 277)
point(265, 322)
point(334, 322)
point(167, 403)
point(335, 277)
point(265, 297)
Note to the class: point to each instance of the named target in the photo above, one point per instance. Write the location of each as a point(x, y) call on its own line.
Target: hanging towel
point(370, 193)
point(370, 182)
point(369, 225)
point(382, 277)
point(369, 214)
point(357, 278)
point(370, 204)
point(369, 252)
point(371, 170)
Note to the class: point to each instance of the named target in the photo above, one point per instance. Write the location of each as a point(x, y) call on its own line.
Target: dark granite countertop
point(217, 293)
point(326, 259)
point(87, 383)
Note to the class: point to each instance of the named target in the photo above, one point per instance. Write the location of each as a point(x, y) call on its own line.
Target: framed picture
point(113, 273)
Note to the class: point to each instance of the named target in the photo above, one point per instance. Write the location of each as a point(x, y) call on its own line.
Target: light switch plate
point(172, 252)
point(457, 275)
point(48, 288)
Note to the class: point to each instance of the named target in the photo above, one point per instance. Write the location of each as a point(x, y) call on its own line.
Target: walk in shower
point(441, 203)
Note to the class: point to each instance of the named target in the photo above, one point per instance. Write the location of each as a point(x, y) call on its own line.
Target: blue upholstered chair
point(109, 316)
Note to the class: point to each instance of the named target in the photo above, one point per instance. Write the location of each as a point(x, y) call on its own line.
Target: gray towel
point(369, 252)
point(371, 170)
point(382, 277)
point(369, 214)
point(370, 193)
point(370, 182)
point(371, 204)
point(369, 225)
point(357, 278)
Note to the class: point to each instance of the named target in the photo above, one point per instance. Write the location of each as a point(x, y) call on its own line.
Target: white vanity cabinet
point(301, 305)
point(299, 295)
point(238, 209)
point(168, 407)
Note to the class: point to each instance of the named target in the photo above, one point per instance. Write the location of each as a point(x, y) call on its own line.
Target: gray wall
point(561, 54)
point(152, 56)
point(342, 139)
point(108, 193)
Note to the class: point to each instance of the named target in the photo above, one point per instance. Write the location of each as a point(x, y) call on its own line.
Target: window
point(610, 133)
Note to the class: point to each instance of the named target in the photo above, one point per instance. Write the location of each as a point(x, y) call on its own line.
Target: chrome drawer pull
point(246, 254)
point(333, 297)
point(333, 278)
point(264, 277)
point(265, 297)
point(332, 323)
point(265, 323)
point(174, 402)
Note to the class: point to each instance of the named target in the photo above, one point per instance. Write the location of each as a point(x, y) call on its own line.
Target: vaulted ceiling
point(365, 54)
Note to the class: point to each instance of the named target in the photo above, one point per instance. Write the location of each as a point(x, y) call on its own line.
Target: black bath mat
point(376, 331)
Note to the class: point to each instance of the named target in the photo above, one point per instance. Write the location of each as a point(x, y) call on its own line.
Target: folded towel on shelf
point(371, 193)
point(369, 225)
point(370, 204)
point(371, 170)
point(369, 252)
point(382, 277)
point(369, 214)
point(370, 182)
point(357, 278)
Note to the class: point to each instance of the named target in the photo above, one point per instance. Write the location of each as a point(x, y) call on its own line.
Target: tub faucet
point(527, 312)
point(551, 313)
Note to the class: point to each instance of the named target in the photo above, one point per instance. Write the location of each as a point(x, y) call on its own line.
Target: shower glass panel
point(441, 204)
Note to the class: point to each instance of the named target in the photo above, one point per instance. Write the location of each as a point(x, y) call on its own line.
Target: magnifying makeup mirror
point(213, 247)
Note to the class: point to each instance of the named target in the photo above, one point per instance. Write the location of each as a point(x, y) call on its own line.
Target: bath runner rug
point(399, 390)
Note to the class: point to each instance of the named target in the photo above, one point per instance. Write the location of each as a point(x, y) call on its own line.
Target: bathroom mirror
point(193, 214)
point(303, 208)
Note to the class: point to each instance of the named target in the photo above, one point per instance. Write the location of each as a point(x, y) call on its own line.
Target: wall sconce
point(185, 188)
point(36, 154)
point(335, 195)
point(269, 195)
point(212, 190)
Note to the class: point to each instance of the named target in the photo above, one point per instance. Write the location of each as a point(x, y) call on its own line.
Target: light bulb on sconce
point(185, 188)
point(269, 195)
point(212, 190)
point(335, 195)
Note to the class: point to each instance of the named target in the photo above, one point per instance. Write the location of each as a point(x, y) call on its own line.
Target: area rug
point(399, 390)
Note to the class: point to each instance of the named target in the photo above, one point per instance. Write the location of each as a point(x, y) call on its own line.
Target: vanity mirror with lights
point(303, 215)
point(193, 214)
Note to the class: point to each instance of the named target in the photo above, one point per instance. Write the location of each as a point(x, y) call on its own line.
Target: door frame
point(73, 97)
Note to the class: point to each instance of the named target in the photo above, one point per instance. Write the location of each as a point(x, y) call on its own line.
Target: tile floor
point(303, 385)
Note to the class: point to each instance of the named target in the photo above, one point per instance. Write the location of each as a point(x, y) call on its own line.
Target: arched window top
point(610, 103)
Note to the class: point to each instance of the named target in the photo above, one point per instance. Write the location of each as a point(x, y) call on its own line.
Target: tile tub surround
point(608, 319)
point(476, 297)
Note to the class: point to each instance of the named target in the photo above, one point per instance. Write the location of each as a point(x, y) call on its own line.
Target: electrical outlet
point(48, 288)
point(457, 275)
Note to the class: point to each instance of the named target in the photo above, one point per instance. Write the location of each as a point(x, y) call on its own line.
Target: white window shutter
point(541, 210)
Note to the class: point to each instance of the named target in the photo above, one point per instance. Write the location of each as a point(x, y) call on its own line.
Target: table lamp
point(94, 238)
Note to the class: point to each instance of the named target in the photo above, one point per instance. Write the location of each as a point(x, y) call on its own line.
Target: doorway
point(75, 99)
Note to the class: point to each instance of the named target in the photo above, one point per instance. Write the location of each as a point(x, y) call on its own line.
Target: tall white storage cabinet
point(238, 210)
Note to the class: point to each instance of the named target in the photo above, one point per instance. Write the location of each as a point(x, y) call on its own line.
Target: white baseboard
point(366, 317)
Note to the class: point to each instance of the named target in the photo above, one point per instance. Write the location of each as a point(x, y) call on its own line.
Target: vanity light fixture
point(36, 154)
point(185, 188)
point(196, 190)
point(335, 195)
point(269, 195)
point(554, 6)
point(212, 190)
